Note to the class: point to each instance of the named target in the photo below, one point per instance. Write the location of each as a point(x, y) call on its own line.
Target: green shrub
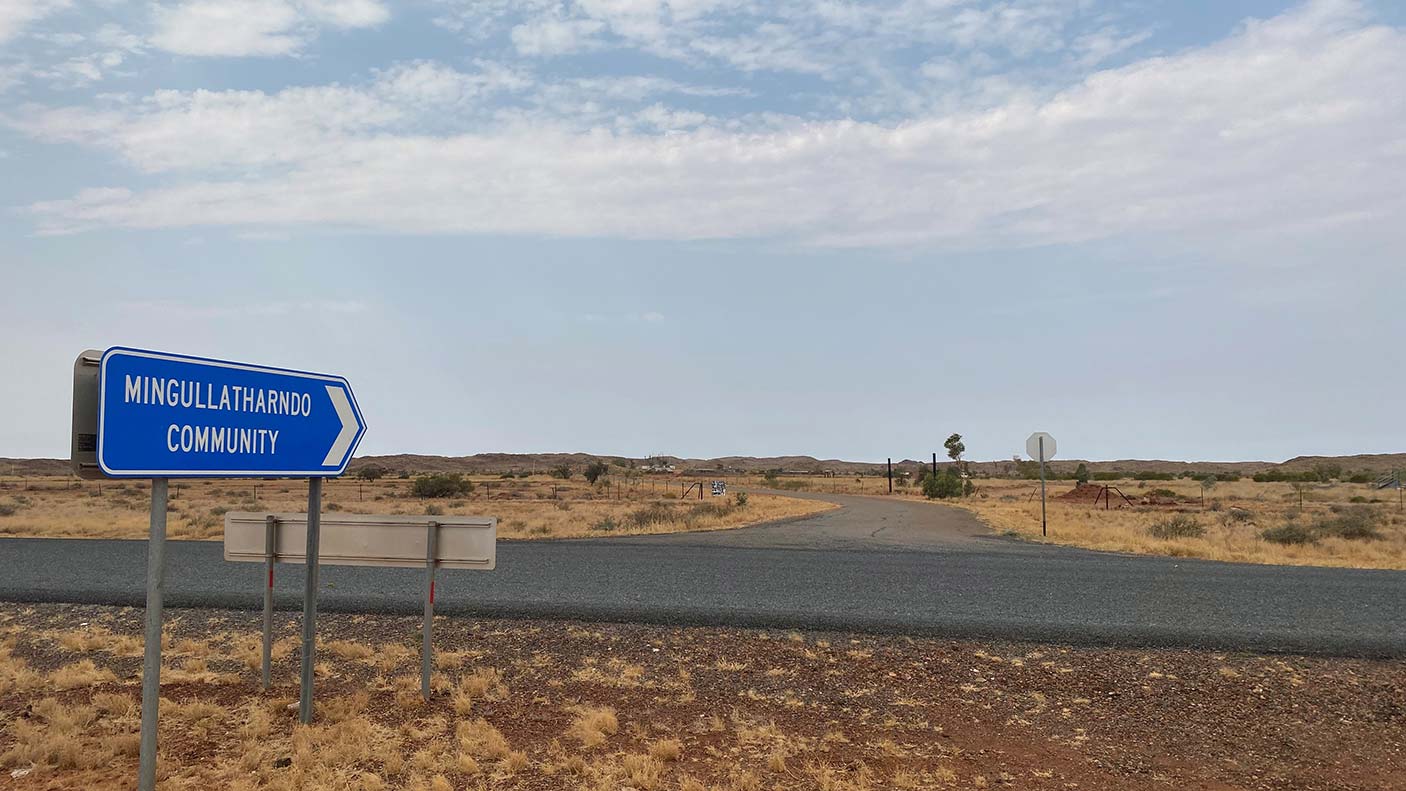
point(947, 483)
point(1290, 532)
point(1081, 474)
point(332, 507)
point(741, 499)
point(441, 485)
point(508, 475)
point(1357, 498)
point(8, 510)
point(434, 510)
point(1164, 493)
point(562, 471)
point(606, 525)
point(1358, 522)
point(1360, 477)
point(1179, 526)
point(1107, 476)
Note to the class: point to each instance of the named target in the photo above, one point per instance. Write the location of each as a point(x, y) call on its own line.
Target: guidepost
point(154, 415)
point(1041, 446)
point(309, 654)
point(151, 650)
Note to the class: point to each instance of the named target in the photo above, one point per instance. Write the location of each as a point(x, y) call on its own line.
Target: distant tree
point(1081, 474)
point(562, 471)
point(371, 472)
point(1029, 469)
point(595, 470)
point(954, 447)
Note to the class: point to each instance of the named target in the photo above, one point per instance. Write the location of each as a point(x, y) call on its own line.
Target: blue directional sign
point(172, 416)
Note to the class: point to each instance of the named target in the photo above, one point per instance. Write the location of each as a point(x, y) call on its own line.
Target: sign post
point(147, 414)
point(151, 650)
point(1041, 446)
point(310, 602)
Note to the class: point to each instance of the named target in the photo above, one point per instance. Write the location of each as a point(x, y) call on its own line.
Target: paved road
point(875, 565)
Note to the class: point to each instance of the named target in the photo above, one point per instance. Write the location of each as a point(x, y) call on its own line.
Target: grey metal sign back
point(425, 542)
point(463, 542)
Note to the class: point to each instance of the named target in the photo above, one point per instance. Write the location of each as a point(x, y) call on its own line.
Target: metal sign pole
point(151, 656)
point(310, 600)
point(1044, 530)
point(270, 541)
point(427, 652)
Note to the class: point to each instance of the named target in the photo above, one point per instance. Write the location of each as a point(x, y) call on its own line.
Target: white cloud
point(551, 35)
point(347, 13)
point(15, 15)
point(238, 28)
point(1291, 125)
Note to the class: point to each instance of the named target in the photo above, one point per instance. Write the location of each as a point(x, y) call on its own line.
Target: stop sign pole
point(1041, 446)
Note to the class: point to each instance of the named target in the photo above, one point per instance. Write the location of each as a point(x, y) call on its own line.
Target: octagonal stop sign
point(1032, 446)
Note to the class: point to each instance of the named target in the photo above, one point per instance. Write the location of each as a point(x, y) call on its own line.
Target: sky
point(1155, 229)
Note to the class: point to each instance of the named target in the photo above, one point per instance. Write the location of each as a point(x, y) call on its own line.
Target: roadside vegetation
point(531, 705)
point(527, 506)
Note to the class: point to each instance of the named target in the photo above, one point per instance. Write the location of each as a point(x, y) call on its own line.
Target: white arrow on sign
point(349, 426)
point(1032, 446)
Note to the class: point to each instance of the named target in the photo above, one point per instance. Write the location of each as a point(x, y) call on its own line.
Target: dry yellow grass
point(539, 507)
point(593, 725)
point(900, 719)
point(1234, 516)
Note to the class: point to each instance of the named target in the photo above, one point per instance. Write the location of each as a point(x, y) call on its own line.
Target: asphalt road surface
point(874, 565)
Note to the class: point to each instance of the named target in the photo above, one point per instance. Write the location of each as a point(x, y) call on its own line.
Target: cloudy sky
point(1165, 228)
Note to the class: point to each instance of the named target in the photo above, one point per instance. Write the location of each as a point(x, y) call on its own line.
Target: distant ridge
point(497, 463)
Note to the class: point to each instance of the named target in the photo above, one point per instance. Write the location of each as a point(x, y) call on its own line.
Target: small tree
point(1207, 483)
point(595, 470)
point(371, 472)
point(1081, 474)
point(562, 471)
point(955, 448)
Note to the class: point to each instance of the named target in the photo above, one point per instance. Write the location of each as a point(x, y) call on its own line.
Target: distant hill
point(497, 463)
